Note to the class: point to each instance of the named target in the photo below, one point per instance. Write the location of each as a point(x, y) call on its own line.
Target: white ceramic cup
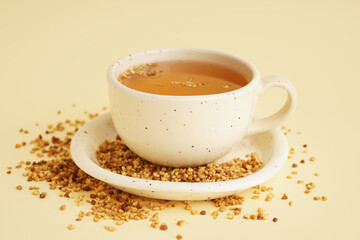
point(190, 130)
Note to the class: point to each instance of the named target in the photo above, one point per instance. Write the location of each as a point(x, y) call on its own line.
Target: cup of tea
point(188, 106)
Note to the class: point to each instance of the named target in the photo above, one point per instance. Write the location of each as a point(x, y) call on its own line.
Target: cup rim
point(112, 79)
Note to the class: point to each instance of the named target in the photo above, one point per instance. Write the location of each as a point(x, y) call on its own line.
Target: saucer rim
point(264, 174)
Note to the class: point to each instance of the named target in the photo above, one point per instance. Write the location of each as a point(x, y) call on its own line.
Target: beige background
point(56, 53)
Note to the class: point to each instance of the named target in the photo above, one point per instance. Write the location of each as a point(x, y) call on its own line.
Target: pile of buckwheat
point(140, 71)
point(98, 200)
point(118, 158)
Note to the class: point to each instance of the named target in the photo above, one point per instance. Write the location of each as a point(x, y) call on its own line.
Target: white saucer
point(271, 146)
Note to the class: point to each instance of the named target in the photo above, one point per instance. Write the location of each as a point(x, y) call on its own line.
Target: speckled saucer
point(271, 146)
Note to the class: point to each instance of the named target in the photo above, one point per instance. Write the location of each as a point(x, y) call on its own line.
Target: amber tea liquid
point(183, 78)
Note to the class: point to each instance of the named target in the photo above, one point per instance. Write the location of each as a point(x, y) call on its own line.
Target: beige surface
point(56, 53)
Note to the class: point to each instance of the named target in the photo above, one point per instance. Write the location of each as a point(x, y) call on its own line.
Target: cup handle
point(263, 124)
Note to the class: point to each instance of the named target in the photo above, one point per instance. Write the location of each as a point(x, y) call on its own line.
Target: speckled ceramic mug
point(190, 130)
